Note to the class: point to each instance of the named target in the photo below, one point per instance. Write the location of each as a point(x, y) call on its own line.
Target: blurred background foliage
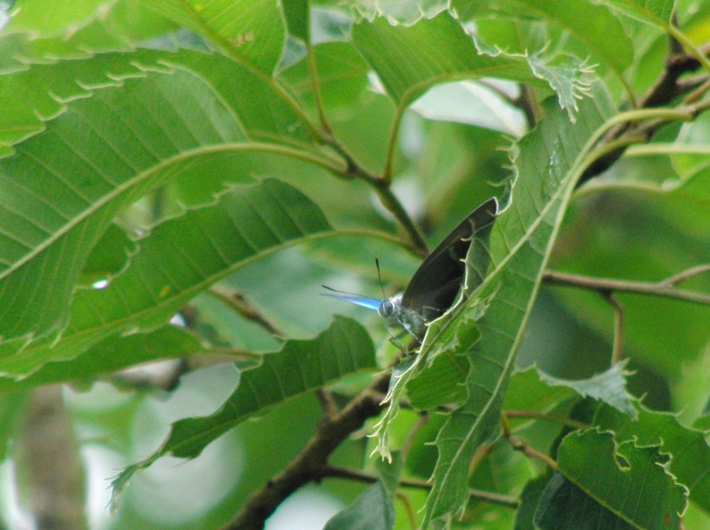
point(127, 86)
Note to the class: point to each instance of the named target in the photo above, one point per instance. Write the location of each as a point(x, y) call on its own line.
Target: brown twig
point(524, 447)
point(328, 471)
point(239, 303)
point(664, 289)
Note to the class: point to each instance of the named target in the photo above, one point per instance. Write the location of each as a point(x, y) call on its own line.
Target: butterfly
point(434, 286)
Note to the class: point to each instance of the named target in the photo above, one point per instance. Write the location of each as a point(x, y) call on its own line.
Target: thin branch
point(389, 200)
point(523, 446)
point(662, 289)
point(528, 450)
point(686, 275)
point(327, 403)
point(340, 472)
point(394, 206)
point(239, 303)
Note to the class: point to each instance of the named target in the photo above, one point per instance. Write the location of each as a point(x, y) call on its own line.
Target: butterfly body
point(434, 286)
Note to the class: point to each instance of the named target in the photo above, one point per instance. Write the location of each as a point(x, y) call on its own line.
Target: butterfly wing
point(434, 286)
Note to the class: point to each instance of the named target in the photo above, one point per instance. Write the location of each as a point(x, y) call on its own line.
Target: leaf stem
point(618, 348)
point(315, 83)
point(392, 144)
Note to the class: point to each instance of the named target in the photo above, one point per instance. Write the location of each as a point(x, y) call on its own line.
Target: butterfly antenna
point(379, 277)
point(341, 292)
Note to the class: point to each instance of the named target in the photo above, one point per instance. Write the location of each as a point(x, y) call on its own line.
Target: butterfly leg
point(395, 338)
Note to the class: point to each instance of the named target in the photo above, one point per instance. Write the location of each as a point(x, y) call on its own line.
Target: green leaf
point(441, 383)
point(529, 501)
point(42, 92)
point(343, 349)
point(629, 480)
point(592, 24)
point(690, 453)
point(569, 79)
point(654, 12)
point(548, 164)
point(245, 224)
point(565, 506)
point(62, 188)
point(374, 509)
point(342, 75)
point(409, 60)
point(528, 390)
point(609, 387)
point(297, 14)
point(60, 19)
point(109, 257)
point(112, 355)
point(253, 31)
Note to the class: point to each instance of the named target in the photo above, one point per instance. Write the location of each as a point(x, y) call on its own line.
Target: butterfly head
point(390, 308)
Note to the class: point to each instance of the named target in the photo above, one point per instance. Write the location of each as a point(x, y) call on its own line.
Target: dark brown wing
point(433, 288)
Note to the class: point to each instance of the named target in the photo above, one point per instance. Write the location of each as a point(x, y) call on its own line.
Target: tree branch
point(667, 88)
point(665, 288)
point(331, 432)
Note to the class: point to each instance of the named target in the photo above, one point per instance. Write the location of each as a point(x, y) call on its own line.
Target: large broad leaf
point(625, 479)
point(690, 453)
point(343, 349)
point(409, 60)
point(609, 386)
point(179, 259)
point(43, 92)
point(592, 24)
point(655, 12)
point(61, 20)
point(111, 355)
point(40, 93)
point(548, 164)
point(252, 31)
point(444, 382)
point(62, 188)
